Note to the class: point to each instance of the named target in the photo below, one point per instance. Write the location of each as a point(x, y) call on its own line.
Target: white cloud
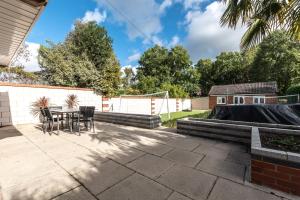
point(134, 57)
point(95, 15)
point(206, 38)
point(134, 68)
point(175, 40)
point(192, 4)
point(141, 17)
point(165, 4)
point(32, 63)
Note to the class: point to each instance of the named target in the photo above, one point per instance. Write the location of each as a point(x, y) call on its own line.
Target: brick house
point(246, 93)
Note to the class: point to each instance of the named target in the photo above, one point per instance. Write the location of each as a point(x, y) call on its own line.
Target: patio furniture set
point(70, 118)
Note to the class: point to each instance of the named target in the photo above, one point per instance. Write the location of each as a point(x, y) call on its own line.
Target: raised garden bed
point(142, 121)
point(215, 130)
point(275, 160)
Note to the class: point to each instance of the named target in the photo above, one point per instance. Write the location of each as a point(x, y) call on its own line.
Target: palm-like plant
point(72, 101)
point(42, 102)
point(262, 17)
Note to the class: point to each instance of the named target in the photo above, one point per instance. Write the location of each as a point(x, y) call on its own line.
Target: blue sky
point(136, 25)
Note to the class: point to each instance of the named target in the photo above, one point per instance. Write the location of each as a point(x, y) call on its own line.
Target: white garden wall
point(146, 105)
point(16, 100)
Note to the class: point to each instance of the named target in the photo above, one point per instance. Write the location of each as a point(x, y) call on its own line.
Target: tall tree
point(204, 68)
point(128, 77)
point(277, 59)
point(84, 59)
point(168, 67)
point(154, 63)
point(262, 18)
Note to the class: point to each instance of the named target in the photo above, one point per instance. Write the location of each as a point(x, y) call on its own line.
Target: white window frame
point(239, 102)
point(221, 102)
point(259, 98)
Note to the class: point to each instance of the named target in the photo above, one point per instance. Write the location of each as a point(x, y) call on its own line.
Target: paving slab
point(190, 182)
point(228, 190)
point(79, 193)
point(150, 165)
point(136, 187)
point(211, 151)
point(126, 156)
point(229, 146)
point(99, 178)
point(177, 196)
point(184, 143)
point(239, 157)
point(182, 157)
point(43, 188)
point(82, 164)
point(155, 149)
point(226, 169)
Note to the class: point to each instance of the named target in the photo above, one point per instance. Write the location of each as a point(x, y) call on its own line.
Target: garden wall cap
point(43, 86)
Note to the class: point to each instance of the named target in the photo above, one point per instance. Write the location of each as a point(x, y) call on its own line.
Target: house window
point(259, 100)
point(239, 99)
point(221, 100)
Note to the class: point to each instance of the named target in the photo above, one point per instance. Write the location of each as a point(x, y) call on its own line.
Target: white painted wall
point(131, 105)
point(143, 105)
point(21, 99)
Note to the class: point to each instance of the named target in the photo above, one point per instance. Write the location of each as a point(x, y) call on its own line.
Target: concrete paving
point(122, 162)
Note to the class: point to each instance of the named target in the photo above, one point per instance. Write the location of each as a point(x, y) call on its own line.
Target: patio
point(121, 162)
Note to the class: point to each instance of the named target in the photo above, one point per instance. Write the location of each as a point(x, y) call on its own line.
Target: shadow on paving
point(69, 171)
point(9, 131)
point(119, 162)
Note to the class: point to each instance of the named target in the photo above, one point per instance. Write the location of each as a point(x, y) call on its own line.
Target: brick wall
point(212, 102)
point(276, 176)
point(271, 100)
point(105, 104)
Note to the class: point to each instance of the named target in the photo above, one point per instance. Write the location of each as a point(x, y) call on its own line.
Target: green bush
point(294, 89)
point(175, 91)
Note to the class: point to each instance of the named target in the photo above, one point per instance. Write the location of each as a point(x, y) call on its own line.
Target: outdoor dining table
point(68, 111)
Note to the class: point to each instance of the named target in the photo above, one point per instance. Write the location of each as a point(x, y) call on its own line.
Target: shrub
point(175, 91)
point(294, 89)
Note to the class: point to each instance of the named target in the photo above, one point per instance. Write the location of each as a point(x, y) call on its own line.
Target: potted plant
point(72, 101)
point(42, 102)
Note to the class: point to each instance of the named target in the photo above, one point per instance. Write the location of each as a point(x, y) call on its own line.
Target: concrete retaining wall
point(142, 121)
point(267, 125)
point(216, 130)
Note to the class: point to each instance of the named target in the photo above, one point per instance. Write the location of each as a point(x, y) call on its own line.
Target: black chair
point(86, 115)
point(48, 118)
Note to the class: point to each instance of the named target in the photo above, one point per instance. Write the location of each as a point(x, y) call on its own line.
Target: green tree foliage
point(162, 67)
point(154, 63)
point(277, 59)
point(128, 77)
point(228, 68)
point(175, 91)
point(17, 74)
point(205, 69)
point(294, 89)
point(84, 59)
point(262, 18)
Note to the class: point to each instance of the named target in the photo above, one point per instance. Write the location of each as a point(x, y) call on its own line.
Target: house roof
point(17, 17)
point(245, 88)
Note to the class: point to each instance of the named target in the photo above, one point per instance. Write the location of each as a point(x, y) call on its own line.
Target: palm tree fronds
point(257, 30)
point(292, 19)
point(236, 10)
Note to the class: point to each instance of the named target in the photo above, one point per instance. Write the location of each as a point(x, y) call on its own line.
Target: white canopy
point(17, 17)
